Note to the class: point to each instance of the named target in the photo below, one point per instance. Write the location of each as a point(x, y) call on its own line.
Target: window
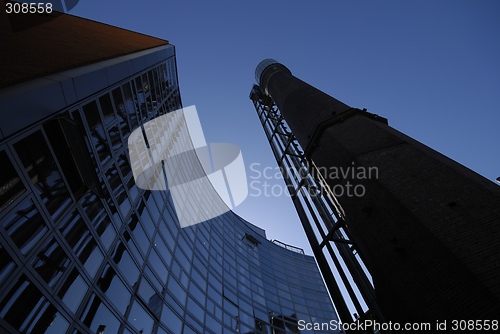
point(140, 318)
point(43, 172)
point(97, 317)
point(114, 288)
point(97, 132)
point(73, 290)
point(51, 262)
point(25, 226)
point(11, 186)
point(27, 310)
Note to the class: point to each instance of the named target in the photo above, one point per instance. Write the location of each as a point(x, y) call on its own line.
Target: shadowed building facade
point(82, 248)
point(427, 228)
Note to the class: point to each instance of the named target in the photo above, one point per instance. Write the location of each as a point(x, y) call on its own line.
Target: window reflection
point(97, 131)
point(140, 236)
point(27, 310)
point(90, 255)
point(129, 105)
point(121, 112)
point(25, 226)
point(98, 217)
point(114, 289)
point(141, 319)
point(127, 266)
point(11, 186)
point(98, 318)
point(118, 190)
point(110, 123)
point(7, 265)
point(43, 172)
point(51, 262)
point(75, 231)
point(150, 297)
point(73, 290)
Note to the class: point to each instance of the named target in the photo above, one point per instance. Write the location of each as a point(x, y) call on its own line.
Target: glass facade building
point(84, 250)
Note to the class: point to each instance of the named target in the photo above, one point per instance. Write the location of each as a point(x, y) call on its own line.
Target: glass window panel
point(199, 264)
point(212, 324)
point(99, 318)
point(118, 190)
point(92, 206)
point(146, 291)
point(140, 99)
point(121, 111)
point(110, 123)
point(99, 218)
point(97, 132)
point(138, 233)
point(135, 253)
point(162, 331)
point(25, 226)
point(40, 319)
point(73, 291)
point(77, 117)
point(123, 165)
point(192, 326)
point(129, 104)
point(145, 218)
point(115, 290)
point(132, 248)
point(149, 273)
point(177, 291)
point(174, 305)
point(11, 186)
point(162, 249)
point(157, 265)
point(115, 216)
point(140, 318)
point(132, 189)
point(93, 260)
point(184, 279)
point(43, 172)
point(69, 146)
point(106, 231)
point(197, 293)
point(26, 309)
point(75, 231)
point(155, 303)
point(155, 86)
point(57, 326)
point(7, 265)
point(215, 282)
point(51, 262)
point(167, 235)
point(183, 260)
point(127, 266)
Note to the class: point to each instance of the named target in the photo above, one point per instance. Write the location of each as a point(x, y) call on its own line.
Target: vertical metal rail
point(322, 217)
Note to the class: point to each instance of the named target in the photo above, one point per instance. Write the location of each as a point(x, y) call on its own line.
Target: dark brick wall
point(428, 227)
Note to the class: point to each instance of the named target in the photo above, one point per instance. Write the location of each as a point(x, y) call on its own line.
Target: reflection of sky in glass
point(124, 258)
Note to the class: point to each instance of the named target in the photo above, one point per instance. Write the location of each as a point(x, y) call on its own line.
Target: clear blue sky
point(431, 67)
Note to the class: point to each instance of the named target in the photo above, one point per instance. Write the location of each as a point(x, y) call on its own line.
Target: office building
point(82, 248)
point(426, 227)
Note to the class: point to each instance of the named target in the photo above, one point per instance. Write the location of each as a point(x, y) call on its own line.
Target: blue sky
point(431, 67)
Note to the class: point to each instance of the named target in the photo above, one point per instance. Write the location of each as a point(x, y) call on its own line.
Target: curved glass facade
point(83, 250)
